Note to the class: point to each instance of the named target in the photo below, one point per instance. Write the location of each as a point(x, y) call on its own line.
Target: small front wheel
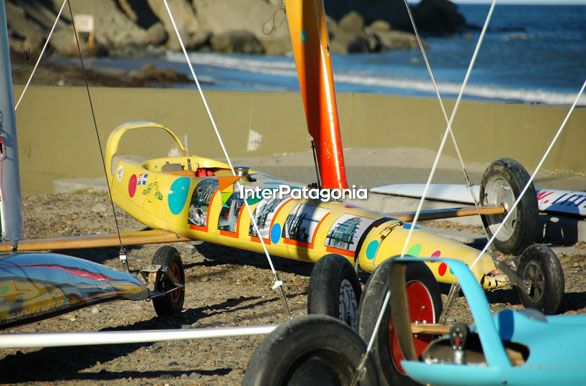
point(541, 269)
point(170, 282)
point(334, 290)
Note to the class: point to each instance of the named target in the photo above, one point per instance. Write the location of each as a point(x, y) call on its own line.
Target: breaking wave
point(364, 80)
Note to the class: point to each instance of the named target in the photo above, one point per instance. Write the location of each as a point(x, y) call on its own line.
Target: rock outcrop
point(236, 41)
point(26, 32)
point(438, 16)
point(187, 23)
point(125, 27)
point(265, 21)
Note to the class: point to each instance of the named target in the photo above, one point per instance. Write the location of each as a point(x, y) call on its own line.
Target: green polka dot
point(415, 250)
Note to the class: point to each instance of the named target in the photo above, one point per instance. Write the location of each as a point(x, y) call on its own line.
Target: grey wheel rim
point(536, 278)
point(497, 192)
point(348, 304)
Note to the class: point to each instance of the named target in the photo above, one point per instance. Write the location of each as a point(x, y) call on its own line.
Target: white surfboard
point(548, 200)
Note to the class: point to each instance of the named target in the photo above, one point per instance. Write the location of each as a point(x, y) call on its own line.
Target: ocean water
point(531, 54)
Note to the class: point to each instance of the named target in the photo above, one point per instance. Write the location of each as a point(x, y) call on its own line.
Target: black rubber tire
point(370, 305)
point(334, 290)
point(523, 228)
point(309, 350)
point(172, 303)
point(540, 265)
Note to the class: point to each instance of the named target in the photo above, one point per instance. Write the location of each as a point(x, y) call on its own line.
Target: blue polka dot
point(371, 249)
point(178, 196)
point(276, 233)
point(408, 226)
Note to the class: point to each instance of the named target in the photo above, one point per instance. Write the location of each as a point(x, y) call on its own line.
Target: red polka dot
point(132, 186)
point(442, 269)
point(436, 254)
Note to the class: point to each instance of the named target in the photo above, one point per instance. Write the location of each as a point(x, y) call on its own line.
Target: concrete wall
point(57, 138)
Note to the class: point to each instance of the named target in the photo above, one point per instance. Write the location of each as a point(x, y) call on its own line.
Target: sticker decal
point(200, 201)
point(346, 231)
point(263, 214)
point(229, 213)
point(120, 173)
point(142, 178)
point(153, 188)
point(302, 223)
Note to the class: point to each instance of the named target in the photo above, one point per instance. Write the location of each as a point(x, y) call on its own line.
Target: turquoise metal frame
point(556, 344)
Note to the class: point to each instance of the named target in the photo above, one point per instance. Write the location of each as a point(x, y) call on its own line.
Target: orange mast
point(309, 37)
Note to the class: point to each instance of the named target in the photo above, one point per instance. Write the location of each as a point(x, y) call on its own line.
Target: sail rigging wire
point(454, 288)
point(449, 125)
point(428, 183)
point(278, 283)
point(469, 185)
point(537, 169)
point(273, 20)
point(30, 78)
point(89, 95)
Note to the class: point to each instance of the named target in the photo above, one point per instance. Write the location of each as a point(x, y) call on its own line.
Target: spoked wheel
point(334, 290)
point(502, 183)
point(541, 269)
point(310, 350)
point(425, 306)
point(170, 282)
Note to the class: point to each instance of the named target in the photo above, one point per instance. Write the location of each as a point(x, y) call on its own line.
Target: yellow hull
point(197, 198)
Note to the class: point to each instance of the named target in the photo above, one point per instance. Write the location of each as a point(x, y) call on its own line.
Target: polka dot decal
point(443, 267)
point(415, 250)
point(371, 249)
point(178, 195)
point(132, 185)
point(276, 233)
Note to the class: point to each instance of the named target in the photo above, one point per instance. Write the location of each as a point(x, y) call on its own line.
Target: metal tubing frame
point(10, 204)
point(68, 339)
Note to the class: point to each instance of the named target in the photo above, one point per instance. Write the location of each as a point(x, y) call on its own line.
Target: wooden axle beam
point(96, 241)
point(437, 214)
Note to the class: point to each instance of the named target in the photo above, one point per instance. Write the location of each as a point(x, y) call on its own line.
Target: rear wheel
point(170, 282)
point(425, 306)
point(334, 290)
point(309, 350)
point(502, 183)
point(540, 267)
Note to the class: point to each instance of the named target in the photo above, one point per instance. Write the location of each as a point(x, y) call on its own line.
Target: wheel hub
point(535, 277)
point(499, 192)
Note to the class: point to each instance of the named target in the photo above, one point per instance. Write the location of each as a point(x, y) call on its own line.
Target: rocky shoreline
point(131, 27)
